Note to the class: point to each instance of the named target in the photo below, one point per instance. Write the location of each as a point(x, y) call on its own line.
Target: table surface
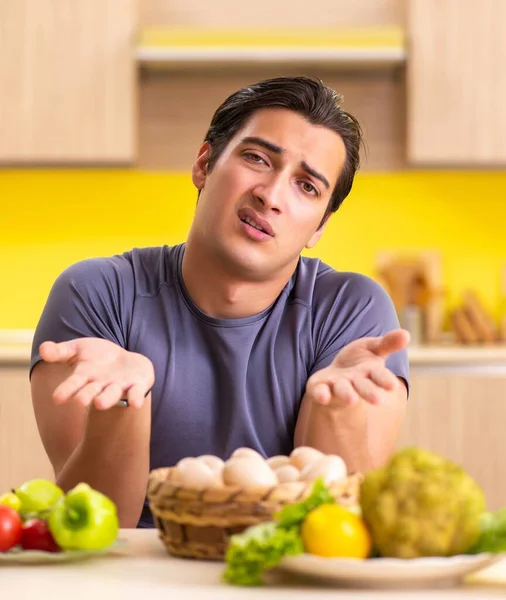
point(142, 568)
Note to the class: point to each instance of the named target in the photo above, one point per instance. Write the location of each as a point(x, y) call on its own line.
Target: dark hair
point(309, 97)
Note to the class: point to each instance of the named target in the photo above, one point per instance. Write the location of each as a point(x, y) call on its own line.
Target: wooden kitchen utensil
point(414, 278)
point(502, 310)
point(482, 323)
point(463, 328)
point(405, 281)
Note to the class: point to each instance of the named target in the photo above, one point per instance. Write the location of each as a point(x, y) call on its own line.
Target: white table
point(141, 569)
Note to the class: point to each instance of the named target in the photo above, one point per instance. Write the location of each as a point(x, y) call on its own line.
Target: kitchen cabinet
point(225, 14)
point(461, 414)
point(202, 52)
point(175, 109)
point(70, 79)
point(22, 455)
point(456, 83)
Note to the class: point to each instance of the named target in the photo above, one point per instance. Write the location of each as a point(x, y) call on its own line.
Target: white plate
point(389, 572)
point(38, 557)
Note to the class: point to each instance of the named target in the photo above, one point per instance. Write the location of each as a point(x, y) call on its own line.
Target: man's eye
point(309, 188)
point(256, 158)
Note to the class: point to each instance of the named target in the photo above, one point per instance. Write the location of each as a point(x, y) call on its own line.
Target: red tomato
point(36, 536)
point(10, 528)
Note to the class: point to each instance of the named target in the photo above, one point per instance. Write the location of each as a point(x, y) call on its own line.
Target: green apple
point(84, 519)
point(38, 495)
point(10, 499)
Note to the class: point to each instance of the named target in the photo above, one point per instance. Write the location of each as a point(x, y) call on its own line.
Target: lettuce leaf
point(257, 549)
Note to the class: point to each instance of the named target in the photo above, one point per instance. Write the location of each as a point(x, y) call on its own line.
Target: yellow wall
point(50, 219)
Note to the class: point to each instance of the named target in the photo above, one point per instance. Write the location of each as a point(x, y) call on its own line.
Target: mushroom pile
point(247, 468)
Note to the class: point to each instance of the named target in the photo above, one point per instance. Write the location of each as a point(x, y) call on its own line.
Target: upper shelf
point(185, 48)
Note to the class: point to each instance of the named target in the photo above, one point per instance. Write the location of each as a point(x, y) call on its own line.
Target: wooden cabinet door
point(461, 416)
point(67, 81)
point(456, 82)
point(22, 455)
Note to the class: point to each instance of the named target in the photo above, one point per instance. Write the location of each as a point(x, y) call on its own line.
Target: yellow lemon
point(332, 530)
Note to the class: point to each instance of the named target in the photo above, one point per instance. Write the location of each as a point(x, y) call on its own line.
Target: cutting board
point(432, 265)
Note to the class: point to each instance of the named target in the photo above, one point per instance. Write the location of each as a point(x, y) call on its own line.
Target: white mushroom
point(247, 452)
point(286, 473)
point(249, 472)
point(214, 462)
point(304, 455)
point(329, 467)
point(195, 474)
point(278, 461)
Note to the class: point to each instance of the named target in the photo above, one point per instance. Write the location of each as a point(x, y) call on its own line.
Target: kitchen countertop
point(12, 352)
point(143, 568)
point(15, 347)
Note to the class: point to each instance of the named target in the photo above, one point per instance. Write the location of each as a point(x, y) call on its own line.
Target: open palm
point(375, 349)
point(102, 372)
point(358, 371)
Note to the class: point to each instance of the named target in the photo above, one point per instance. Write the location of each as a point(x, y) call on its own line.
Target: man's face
point(267, 193)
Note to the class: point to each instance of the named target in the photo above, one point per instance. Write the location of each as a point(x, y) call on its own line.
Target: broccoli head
point(421, 504)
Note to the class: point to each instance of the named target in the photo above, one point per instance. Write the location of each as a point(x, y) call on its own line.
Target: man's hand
point(358, 372)
point(103, 373)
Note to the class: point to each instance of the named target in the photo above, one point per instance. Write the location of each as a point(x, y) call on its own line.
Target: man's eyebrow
point(315, 174)
point(278, 150)
point(261, 142)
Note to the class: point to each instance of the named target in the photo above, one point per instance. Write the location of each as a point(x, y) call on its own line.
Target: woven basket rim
point(161, 486)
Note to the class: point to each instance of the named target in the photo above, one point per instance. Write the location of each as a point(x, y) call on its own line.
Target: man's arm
point(355, 406)
point(364, 435)
point(108, 449)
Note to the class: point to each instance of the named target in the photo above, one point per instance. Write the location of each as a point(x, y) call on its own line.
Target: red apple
point(10, 528)
point(35, 535)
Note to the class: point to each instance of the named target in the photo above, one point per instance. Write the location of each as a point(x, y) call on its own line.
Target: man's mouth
point(247, 215)
point(252, 223)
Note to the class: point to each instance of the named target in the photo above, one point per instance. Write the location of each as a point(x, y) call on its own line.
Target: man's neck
point(219, 293)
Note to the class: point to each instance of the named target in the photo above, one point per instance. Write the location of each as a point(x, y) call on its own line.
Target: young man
point(231, 339)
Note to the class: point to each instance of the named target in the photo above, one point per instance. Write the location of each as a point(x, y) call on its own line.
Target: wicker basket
point(197, 523)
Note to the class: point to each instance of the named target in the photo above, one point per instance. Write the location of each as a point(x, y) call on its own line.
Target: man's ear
point(199, 168)
point(318, 233)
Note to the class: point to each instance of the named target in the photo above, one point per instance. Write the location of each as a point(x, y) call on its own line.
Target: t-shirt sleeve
point(357, 308)
point(92, 298)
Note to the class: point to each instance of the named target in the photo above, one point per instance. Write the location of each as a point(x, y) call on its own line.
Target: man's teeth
point(252, 223)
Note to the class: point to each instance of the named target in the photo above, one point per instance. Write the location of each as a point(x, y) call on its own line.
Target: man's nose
point(271, 193)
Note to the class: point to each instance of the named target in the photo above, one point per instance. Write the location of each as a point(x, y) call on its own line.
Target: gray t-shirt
point(219, 383)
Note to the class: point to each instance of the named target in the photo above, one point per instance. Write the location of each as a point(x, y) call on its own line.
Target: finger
point(391, 342)
point(69, 387)
point(319, 392)
point(384, 378)
point(109, 396)
point(62, 352)
point(367, 390)
point(135, 396)
point(343, 392)
point(88, 392)
point(321, 376)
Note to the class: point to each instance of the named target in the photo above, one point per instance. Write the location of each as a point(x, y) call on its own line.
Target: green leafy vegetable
point(257, 549)
point(493, 533)
point(261, 547)
point(294, 514)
